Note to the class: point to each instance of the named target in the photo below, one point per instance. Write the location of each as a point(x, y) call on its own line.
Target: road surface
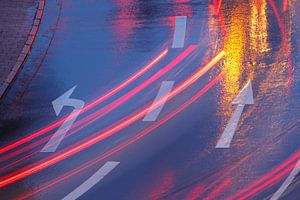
point(156, 100)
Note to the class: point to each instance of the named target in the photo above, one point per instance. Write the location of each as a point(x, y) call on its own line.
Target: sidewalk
point(19, 23)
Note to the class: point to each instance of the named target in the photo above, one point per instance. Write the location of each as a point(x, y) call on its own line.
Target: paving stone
point(16, 21)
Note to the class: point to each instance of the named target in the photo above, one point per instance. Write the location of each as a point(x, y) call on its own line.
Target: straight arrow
point(244, 97)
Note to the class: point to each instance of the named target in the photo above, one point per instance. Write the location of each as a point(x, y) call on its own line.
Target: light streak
point(285, 4)
point(77, 147)
point(270, 178)
point(222, 187)
point(196, 192)
point(125, 144)
point(87, 107)
point(111, 106)
point(219, 6)
point(280, 24)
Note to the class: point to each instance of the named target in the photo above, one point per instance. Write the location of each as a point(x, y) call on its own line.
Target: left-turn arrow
point(58, 104)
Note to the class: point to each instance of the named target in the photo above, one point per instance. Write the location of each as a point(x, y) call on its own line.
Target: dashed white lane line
point(244, 97)
point(164, 90)
point(58, 104)
point(287, 182)
point(93, 180)
point(179, 33)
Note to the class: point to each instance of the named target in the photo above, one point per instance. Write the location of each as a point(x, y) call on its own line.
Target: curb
point(25, 51)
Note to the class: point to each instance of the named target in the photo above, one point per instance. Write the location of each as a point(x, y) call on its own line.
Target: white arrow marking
point(58, 104)
point(93, 180)
point(164, 90)
point(244, 97)
point(287, 182)
point(179, 33)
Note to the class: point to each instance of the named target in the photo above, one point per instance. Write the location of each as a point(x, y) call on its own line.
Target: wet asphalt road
point(96, 45)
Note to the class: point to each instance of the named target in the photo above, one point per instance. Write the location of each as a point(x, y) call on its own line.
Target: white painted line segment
point(164, 90)
point(287, 182)
point(226, 138)
point(92, 181)
point(179, 32)
point(244, 97)
point(58, 104)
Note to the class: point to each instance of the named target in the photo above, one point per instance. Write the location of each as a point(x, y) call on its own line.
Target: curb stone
point(6, 84)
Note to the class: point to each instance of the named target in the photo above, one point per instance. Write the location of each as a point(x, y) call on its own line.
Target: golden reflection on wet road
point(254, 53)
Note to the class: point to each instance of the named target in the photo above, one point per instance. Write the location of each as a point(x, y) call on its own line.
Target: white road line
point(244, 97)
point(226, 138)
point(164, 90)
point(287, 182)
point(179, 33)
point(58, 104)
point(93, 180)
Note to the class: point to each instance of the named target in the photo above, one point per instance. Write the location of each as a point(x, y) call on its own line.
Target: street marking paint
point(110, 93)
point(131, 141)
point(103, 134)
point(58, 104)
point(93, 180)
point(244, 97)
point(287, 182)
point(179, 32)
point(164, 91)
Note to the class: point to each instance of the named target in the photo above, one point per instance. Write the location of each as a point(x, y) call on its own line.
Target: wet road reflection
point(97, 45)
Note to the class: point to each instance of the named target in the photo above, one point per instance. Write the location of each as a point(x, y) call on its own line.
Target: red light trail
point(196, 192)
point(280, 24)
point(222, 187)
point(267, 180)
point(31, 169)
point(285, 4)
point(87, 107)
point(219, 6)
point(108, 108)
point(125, 144)
point(105, 110)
